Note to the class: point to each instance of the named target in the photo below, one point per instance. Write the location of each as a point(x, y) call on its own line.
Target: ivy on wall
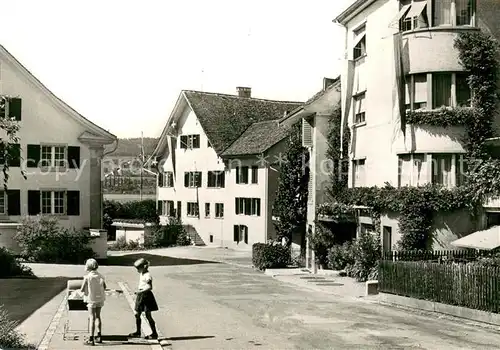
point(416, 206)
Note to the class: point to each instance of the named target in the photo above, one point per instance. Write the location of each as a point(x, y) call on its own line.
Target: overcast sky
point(123, 63)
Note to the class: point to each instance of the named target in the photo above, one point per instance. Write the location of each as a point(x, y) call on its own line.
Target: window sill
point(220, 218)
point(359, 93)
point(358, 125)
point(443, 28)
point(359, 58)
point(192, 216)
point(215, 188)
point(58, 216)
point(46, 169)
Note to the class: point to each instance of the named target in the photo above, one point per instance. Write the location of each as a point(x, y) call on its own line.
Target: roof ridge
point(236, 96)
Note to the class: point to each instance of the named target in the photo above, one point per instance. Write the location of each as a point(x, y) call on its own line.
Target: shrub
point(367, 253)
point(270, 255)
point(321, 242)
point(171, 234)
point(122, 244)
point(10, 338)
point(340, 256)
point(11, 267)
point(42, 240)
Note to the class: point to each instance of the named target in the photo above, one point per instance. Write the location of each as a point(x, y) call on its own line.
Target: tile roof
point(225, 117)
point(320, 93)
point(258, 138)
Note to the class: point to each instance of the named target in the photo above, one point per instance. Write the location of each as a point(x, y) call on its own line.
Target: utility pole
point(142, 163)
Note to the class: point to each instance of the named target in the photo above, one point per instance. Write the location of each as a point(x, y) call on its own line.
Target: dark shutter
point(179, 210)
point(33, 152)
point(237, 174)
point(15, 155)
point(160, 208)
point(196, 141)
point(245, 237)
point(14, 202)
point(236, 233)
point(73, 206)
point(258, 206)
point(74, 157)
point(236, 206)
point(184, 139)
point(198, 179)
point(248, 206)
point(222, 179)
point(244, 171)
point(15, 108)
point(255, 174)
point(160, 179)
point(210, 175)
point(33, 202)
point(186, 179)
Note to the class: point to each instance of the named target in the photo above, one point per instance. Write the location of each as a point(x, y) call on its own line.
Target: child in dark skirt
point(145, 301)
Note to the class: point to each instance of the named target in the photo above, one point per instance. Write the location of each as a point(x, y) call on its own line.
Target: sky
point(122, 64)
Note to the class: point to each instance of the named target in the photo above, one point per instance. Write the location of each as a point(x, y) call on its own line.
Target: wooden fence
point(467, 285)
point(436, 255)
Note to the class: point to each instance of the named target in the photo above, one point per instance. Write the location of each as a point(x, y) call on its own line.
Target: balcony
point(431, 49)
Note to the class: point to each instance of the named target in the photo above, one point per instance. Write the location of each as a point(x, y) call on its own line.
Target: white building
point(199, 151)
point(60, 152)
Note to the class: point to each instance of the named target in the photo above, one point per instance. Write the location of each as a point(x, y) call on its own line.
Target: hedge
point(270, 255)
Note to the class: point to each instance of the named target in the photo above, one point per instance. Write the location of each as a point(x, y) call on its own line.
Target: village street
point(222, 306)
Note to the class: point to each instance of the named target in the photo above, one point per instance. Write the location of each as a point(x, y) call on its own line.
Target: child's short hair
point(91, 265)
point(141, 263)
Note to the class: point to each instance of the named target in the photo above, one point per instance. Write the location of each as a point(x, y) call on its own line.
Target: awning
point(416, 9)
point(358, 39)
point(484, 240)
point(401, 13)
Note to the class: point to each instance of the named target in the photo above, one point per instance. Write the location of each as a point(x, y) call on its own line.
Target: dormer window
point(359, 49)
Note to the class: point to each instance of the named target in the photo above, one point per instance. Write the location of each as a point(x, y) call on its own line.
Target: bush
point(321, 242)
point(270, 255)
point(42, 240)
point(367, 253)
point(172, 234)
point(10, 338)
point(340, 256)
point(122, 244)
point(11, 267)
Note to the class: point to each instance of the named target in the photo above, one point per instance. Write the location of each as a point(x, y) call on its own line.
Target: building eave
point(353, 10)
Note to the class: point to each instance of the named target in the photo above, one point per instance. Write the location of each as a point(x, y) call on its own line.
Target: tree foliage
point(290, 204)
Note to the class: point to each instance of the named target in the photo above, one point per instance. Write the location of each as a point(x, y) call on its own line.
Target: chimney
point(244, 91)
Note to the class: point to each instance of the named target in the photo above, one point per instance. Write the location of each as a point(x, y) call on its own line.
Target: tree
point(10, 151)
point(290, 205)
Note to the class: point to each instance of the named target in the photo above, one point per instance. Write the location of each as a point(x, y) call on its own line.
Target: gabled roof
point(258, 138)
point(353, 9)
point(94, 130)
point(224, 118)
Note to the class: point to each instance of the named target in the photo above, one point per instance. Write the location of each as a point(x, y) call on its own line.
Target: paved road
point(218, 306)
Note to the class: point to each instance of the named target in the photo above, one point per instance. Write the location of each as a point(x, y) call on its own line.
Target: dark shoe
point(89, 341)
point(98, 339)
point(152, 336)
point(134, 335)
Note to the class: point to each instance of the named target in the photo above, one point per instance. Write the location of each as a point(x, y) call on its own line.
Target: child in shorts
point(94, 289)
point(145, 301)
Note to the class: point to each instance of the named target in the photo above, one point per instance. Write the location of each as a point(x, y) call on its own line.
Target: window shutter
point(33, 202)
point(236, 206)
point(248, 206)
point(160, 179)
point(236, 233)
point(198, 179)
point(74, 157)
point(245, 234)
point(196, 141)
point(237, 174)
point(306, 133)
point(73, 205)
point(245, 174)
point(33, 152)
point(186, 179)
point(15, 155)
point(15, 108)
point(14, 202)
point(310, 189)
point(184, 139)
point(257, 202)
point(222, 180)
point(160, 208)
point(255, 174)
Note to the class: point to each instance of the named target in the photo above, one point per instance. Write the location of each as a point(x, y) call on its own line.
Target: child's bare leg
point(137, 324)
point(151, 323)
point(98, 320)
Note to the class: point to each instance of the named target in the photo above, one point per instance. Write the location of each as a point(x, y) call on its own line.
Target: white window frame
point(359, 113)
point(415, 180)
point(166, 176)
point(193, 178)
point(52, 157)
point(217, 175)
point(195, 209)
point(359, 177)
point(359, 42)
point(4, 205)
point(207, 213)
point(166, 208)
point(219, 210)
point(52, 195)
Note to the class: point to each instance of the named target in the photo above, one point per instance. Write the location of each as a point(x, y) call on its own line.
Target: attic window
point(359, 48)
point(190, 141)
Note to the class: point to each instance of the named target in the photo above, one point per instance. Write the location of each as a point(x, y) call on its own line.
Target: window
point(441, 169)
point(192, 209)
point(411, 170)
point(367, 228)
point(359, 172)
point(461, 169)
point(53, 202)
point(190, 141)
point(219, 210)
point(192, 179)
point(359, 47)
point(464, 12)
point(420, 91)
point(441, 90)
point(169, 208)
point(242, 175)
point(462, 90)
point(441, 12)
point(168, 179)
point(240, 234)
point(387, 239)
point(247, 206)
point(53, 156)
point(207, 210)
point(208, 144)
point(3, 203)
point(359, 108)
point(414, 16)
point(216, 179)
point(211, 238)
point(255, 174)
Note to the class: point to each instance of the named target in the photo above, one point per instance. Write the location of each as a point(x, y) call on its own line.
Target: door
point(387, 239)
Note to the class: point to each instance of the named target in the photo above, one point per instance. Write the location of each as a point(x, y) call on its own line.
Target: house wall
point(45, 122)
